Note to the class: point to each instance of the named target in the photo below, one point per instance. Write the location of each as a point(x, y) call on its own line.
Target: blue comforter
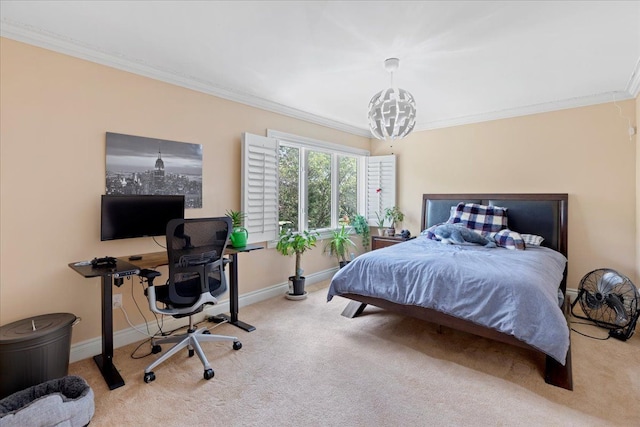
point(515, 292)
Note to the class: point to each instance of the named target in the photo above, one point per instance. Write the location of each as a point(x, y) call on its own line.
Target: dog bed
point(66, 401)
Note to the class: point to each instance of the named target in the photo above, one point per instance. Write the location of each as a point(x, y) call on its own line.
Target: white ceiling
point(322, 61)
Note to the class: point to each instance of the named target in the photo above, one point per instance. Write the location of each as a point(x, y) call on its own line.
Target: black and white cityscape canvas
point(139, 165)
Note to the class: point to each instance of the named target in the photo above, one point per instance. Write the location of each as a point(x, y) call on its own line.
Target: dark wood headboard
point(541, 214)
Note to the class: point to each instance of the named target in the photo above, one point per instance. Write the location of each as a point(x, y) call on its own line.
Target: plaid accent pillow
point(480, 218)
point(509, 239)
point(532, 239)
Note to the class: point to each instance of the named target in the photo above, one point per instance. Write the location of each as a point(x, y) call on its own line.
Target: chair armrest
point(149, 275)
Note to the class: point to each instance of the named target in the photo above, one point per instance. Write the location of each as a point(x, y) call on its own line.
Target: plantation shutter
point(381, 185)
point(260, 187)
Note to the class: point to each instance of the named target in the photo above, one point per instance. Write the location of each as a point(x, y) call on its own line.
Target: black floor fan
point(610, 300)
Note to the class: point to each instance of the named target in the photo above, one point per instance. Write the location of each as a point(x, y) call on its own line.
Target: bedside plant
point(239, 234)
point(381, 219)
point(338, 245)
point(394, 215)
point(296, 243)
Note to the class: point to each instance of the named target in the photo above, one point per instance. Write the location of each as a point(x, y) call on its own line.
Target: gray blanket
point(515, 292)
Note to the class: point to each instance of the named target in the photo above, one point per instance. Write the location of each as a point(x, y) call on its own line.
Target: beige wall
point(635, 141)
point(55, 111)
point(584, 152)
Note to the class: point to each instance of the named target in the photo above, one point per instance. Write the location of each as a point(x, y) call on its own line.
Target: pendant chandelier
point(392, 112)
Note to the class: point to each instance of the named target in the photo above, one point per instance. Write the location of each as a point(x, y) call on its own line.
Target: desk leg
point(233, 297)
point(105, 360)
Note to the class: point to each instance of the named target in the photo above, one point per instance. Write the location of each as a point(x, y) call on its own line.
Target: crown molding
point(47, 40)
point(633, 87)
point(55, 42)
point(527, 110)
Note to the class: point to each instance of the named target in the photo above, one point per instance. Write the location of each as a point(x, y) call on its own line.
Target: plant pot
point(391, 232)
point(296, 288)
point(343, 263)
point(381, 231)
point(239, 237)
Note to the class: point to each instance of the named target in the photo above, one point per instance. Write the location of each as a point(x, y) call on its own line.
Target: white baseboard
point(572, 294)
point(91, 347)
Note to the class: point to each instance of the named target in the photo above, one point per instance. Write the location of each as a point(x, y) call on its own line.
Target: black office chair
point(195, 249)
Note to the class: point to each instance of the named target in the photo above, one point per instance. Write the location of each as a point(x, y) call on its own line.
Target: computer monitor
point(129, 216)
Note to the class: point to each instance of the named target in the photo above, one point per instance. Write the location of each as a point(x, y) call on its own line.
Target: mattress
point(512, 291)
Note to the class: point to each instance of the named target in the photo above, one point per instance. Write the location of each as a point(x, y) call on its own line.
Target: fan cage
point(609, 305)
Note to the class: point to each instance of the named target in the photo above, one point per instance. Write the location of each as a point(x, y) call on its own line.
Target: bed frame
point(541, 214)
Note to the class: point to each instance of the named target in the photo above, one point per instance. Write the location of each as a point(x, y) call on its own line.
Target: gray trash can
point(34, 350)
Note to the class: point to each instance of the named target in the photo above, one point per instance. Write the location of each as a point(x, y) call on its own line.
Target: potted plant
point(338, 245)
point(296, 243)
point(381, 219)
point(239, 234)
point(361, 227)
point(394, 215)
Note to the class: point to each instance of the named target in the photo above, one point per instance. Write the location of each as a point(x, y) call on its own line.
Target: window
point(292, 182)
point(289, 185)
point(318, 190)
point(310, 206)
point(347, 188)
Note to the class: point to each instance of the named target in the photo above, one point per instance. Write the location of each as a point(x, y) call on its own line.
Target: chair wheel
point(208, 374)
point(237, 345)
point(149, 376)
point(191, 352)
point(207, 332)
point(156, 349)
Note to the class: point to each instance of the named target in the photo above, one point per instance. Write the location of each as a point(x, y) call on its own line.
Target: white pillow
point(532, 239)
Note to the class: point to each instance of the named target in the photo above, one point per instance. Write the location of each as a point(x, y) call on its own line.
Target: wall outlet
point(117, 300)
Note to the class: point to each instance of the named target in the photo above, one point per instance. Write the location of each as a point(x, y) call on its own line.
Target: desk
point(107, 274)
point(151, 260)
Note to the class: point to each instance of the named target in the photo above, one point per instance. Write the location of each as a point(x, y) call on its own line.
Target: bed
point(513, 300)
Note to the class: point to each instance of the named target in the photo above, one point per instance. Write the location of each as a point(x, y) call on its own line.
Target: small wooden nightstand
point(378, 242)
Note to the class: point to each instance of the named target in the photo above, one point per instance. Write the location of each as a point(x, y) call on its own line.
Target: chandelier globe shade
point(392, 112)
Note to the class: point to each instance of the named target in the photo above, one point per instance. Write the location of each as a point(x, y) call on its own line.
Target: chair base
point(192, 341)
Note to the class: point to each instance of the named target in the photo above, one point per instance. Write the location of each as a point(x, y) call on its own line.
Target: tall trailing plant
point(361, 227)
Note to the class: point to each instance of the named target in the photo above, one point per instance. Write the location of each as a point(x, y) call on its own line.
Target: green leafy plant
point(339, 243)
point(296, 243)
point(381, 219)
point(361, 227)
point(239, 234)
point(394, 215)
point(237, 217)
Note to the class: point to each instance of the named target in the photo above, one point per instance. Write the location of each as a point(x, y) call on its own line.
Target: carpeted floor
point(305, 365)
